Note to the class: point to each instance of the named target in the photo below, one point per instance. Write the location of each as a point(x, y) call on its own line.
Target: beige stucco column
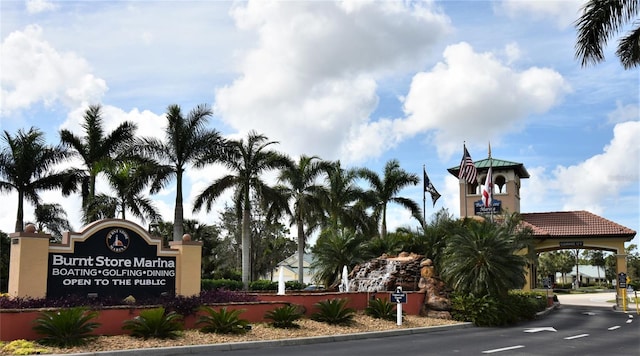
point(29, 261)
point(188, 266)
point(621, 266)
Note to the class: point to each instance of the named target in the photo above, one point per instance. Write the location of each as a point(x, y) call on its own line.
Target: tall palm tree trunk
point(301, 239)
point(20, 215)
point(246, 245)
point(178, 214)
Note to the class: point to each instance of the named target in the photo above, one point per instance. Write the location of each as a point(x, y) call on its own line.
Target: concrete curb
point(548, 310)
point(186, 350)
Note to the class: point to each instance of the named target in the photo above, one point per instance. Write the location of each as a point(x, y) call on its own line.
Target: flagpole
point(424, 199)
point(464, 145)
point(491, 182)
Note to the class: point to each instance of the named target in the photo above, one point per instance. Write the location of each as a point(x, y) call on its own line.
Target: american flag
point(467, 168)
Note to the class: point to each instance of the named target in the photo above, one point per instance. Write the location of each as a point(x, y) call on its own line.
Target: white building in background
point(290, 265)
point(589, 275)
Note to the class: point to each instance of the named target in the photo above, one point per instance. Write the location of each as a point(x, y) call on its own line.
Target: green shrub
point(481, 311)
point(226, 274)
point(334, 312)
point(285, 316)
point(382, 309)
point(213, 284)
point(223, 321)
point(155, 323)
point(263, 284)
point(66, 327)
point(293, 285)
point(525, 305)
point(493, 311)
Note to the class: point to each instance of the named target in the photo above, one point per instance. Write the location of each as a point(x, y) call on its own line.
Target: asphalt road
point(582, 324)
point(569, 330)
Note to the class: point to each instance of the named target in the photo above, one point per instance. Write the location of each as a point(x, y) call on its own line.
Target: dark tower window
point(501, 182)
point(472, 188)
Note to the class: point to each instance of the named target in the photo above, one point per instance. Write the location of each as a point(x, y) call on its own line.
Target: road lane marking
point(629, 321)
point(503, 349)
point(545, 328)
point(614, 327)
point(576, 336)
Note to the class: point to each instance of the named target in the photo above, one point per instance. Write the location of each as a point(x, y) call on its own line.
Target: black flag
point(428, 187)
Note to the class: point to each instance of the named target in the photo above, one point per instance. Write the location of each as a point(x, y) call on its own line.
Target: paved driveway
point(592, 299)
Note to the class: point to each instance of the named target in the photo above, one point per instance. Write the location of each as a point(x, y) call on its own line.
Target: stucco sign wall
point(112, 260)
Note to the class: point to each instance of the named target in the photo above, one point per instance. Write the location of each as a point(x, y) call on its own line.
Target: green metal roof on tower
point(496, 163)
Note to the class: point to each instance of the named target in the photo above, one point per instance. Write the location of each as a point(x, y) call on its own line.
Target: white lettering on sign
point(94, 273)
point(157, 263)
point(76, 282)
point(103, 261)
point(149, 282)
point(160, 273)
point(78, 272)
point(60, 260)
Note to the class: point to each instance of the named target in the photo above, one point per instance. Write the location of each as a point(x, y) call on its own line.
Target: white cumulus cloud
point(468, 96)
point(37, 6)
point(588, 184)
point(312, 79)
point(34, 71)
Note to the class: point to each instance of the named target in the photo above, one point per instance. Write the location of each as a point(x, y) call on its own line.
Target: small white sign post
point(399, 297)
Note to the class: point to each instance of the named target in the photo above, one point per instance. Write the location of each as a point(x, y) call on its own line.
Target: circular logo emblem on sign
point(117, 240)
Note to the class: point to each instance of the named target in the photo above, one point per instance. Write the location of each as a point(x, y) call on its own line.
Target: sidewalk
point(593, 299)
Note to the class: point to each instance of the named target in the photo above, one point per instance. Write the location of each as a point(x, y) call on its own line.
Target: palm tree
point(334, 249)
point(298, 184)
point(483, 260)
point(98, 151)
point(385, 191)
point(246, 160)
point(596, 258)
point(52, 218)
point(344, 202)
point(101, 206)
point(186, 142)
point(26, 166)
point(129, 179)
point(600, 20)
point(431, 239)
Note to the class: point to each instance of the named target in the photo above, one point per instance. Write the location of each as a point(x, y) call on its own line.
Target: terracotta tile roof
point(574, 224)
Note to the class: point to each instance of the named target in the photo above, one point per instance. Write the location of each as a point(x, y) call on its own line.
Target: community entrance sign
point(108, 258)
point(114, 261)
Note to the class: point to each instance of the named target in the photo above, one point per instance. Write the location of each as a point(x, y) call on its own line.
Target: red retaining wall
point(17, 324)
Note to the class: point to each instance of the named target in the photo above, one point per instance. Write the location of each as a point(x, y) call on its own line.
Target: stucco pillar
point(621, 266)
point(28, 264)
point(188, 266)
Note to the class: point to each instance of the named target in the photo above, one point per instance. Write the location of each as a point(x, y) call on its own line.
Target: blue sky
point(359, 81)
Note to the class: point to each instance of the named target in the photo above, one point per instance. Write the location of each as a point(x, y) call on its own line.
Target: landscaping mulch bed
point(259, 331)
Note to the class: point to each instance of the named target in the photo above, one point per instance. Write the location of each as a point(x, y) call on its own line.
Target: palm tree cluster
point(601, 20)
point(313, 194)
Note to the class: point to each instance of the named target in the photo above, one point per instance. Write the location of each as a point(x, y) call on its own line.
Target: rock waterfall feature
point(410, 271)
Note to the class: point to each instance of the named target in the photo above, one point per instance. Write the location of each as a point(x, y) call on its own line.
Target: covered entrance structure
point(552, 230)
point(576, 230)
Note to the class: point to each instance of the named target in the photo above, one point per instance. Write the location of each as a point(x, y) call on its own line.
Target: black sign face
point(399, 297)
point(114, 261)
point(571, 243)
point(622, 280)
point(494, 208)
